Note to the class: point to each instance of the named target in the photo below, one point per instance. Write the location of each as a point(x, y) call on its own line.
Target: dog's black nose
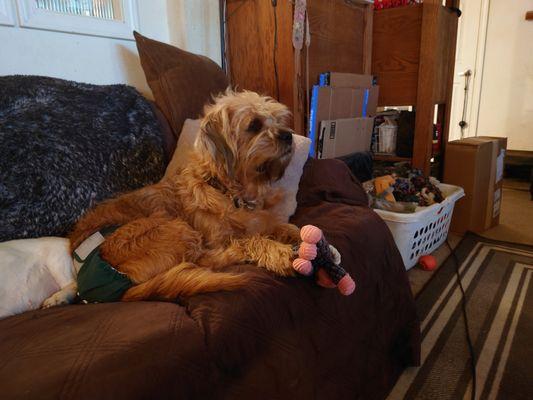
point(285, 136)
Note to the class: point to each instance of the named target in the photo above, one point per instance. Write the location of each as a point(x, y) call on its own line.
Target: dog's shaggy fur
point(176, 236)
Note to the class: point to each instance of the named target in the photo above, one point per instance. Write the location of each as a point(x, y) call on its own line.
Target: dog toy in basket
point(316, 256)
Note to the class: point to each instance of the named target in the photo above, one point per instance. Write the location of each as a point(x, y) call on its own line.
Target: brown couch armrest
point(331, 181)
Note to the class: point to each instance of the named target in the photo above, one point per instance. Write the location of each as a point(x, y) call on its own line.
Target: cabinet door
point(341, 37)
point(259, 52)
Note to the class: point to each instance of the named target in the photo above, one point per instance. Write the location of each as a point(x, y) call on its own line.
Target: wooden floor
point(519, 157)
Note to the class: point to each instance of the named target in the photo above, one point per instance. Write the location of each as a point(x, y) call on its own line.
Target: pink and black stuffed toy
point(317, 257)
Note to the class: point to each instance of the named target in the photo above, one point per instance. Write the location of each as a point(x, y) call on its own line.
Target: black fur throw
point(65, 146)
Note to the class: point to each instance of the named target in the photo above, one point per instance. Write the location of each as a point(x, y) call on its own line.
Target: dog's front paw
point(56, 299)
point(286, 258)
point(278, 259)
point(64, 296)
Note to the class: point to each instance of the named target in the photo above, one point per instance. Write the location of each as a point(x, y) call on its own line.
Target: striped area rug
point(499, 290)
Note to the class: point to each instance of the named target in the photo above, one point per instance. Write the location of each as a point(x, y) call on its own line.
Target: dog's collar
point(238, 202)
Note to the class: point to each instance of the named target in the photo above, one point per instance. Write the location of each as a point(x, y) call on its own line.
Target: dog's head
point(247, 138)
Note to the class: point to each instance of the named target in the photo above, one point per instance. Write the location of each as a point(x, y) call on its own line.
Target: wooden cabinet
point(413, 56)
point(260, 55)
point(410, 49)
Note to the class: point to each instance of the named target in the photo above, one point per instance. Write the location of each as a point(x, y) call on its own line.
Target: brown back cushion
point(169, 140)
point(181, 82)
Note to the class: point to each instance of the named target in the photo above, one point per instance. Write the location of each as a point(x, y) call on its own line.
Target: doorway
point(494, 44)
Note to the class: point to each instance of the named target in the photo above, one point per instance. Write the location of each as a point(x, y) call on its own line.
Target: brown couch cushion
point(181, 82)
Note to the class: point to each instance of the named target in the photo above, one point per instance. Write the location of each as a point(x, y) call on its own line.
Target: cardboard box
point(340, 137)
point(499, 147)
point(341, 79)
point(329, 103)
point(476, 164)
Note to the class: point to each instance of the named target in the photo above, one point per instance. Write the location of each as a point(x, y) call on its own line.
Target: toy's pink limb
point(323, 279)
point(307, 251)
point(310, 234)
point(302, 266)
point(346, 285)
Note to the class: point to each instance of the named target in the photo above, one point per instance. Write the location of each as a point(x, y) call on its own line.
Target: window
point(110, 18)
point(103, 9)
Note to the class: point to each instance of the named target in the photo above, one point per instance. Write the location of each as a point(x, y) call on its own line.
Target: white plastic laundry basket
point(421, 232)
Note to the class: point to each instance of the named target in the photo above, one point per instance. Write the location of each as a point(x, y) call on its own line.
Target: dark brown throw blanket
point(280, 339)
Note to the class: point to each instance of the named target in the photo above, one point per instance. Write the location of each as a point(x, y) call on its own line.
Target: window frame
point(30, 16)
point(6, 13)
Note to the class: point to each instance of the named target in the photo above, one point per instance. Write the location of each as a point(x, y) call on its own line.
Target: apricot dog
point(177, 236)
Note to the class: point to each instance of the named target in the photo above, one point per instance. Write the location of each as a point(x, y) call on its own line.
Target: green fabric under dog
point(98, 281)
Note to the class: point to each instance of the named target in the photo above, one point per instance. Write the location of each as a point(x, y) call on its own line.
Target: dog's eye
point(255, 126)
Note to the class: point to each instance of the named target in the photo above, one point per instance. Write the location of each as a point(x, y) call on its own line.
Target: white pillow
point(185, 145)
point(289, 182)
point(291, 178)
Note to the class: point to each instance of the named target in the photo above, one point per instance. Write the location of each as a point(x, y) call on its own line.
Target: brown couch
point(280, 338)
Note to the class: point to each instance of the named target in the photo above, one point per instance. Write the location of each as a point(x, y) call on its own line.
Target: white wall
point(191, 24)
point(506, 106)
point(195, 26)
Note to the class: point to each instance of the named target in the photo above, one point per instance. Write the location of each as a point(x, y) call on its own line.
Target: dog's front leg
point(260, 250)
point(270, 254)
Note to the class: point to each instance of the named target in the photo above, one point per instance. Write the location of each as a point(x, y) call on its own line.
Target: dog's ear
point(272, 170)
point(212, 138)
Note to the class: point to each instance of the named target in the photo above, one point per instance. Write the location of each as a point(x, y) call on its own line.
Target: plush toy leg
point(311, 234)
point(346, 285)
point(307, 251)
point(324, 280)
point(303, 266)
